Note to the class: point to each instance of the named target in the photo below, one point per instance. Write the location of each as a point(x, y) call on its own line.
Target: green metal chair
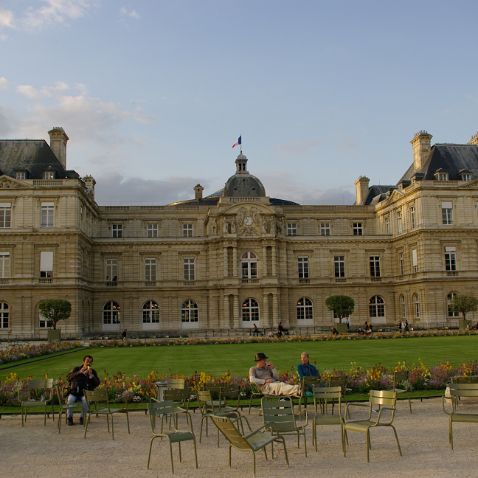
point(326, 399)
point(462, 397)
point(38, 396)
point(255, 441)
point(63, 405)
point(279, 418)
point(255, 393)
point(210, 406)
point(381, 413)
point(160, 410)
point(307, 385)
point(100, 397)
point(167, 410)
point(401, 384)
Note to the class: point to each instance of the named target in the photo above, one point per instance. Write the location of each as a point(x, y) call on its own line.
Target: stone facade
point(234, 259)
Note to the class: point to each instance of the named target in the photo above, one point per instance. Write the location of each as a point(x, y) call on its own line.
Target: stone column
point(274, 259)
point(234, 261)
point(225, 262)
point(236, 316)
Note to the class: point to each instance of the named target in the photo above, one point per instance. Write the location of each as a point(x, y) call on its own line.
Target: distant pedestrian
point(123, 334)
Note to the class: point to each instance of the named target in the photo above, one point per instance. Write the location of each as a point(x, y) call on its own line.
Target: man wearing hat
point(265, 376)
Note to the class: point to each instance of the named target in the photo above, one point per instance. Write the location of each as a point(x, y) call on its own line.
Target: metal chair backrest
point(32, 390)
point(383, 398)
point(160, 409)
point(176, 383)
point(93, 397)
point(464, 379)
point(174, 395)
point(230, 432)
point(324, 396)
point(400, 379)
point(463, 390)
point(278, 414)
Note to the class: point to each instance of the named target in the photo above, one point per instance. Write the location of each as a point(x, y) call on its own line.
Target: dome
point(243, 184)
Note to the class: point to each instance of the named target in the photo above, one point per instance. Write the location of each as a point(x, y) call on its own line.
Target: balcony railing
point(111, 283)
point(304, 281)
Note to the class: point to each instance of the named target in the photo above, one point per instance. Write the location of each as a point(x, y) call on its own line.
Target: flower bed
point(357, 379)
point(20, 352)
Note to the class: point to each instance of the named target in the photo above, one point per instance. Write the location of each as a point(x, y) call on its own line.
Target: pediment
point(6, 182)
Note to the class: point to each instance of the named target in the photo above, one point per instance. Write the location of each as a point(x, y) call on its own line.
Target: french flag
point(237, 143)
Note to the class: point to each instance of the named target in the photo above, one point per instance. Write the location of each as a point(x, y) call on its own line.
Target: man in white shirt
point(265, 376)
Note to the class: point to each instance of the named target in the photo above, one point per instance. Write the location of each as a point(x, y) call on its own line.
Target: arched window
point(403, 308)
point(4, 315)
point(416, 306)
point(449, 300)
point(250, 310)
point(111, 313)
point(189, 311)
point(304, 309)
point(150, 312)
point(377, 307)
point(249, 265)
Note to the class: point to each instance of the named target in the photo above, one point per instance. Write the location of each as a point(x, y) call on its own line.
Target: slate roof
point(451, 158)
point(377, 193)
point(31, 155)
point(213, 199)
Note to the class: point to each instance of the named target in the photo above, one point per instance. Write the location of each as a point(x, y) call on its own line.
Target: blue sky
point(153, 93)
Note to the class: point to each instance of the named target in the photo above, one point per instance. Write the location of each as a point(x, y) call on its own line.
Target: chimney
point(58, 140)
point(198, 189)
point(474, 139)
point(361, 190)
point(90, 185)
point(421, 146)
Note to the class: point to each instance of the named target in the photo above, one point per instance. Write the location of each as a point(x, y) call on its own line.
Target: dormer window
point(48, 174)
point(465, 175)
point(20, 175)
point(441, 175)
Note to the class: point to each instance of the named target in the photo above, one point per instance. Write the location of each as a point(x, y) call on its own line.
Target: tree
point(341, 305)
point(55, 310)
point(464, 304)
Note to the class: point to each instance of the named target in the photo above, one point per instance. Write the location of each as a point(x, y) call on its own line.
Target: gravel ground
point(38, 451)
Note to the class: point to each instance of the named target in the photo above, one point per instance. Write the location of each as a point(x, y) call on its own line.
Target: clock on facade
point(248, 221)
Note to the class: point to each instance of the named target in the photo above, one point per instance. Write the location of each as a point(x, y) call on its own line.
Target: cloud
point(280, 185)
point(115, 189)
point(55, 11)
point(6, 19)
point(3, 82)
point(130, 13)
point(300, 146)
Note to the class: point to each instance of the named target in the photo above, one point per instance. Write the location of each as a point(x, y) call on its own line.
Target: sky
point(153, 93)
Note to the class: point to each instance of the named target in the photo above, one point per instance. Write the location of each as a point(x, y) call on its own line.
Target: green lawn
point(237, 358)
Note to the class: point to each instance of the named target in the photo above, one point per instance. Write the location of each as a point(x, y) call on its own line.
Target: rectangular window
point(374, 267)
point(117, 231)
point(412, 217)
point(150, 270)
point(111, 272)
point(43, 323)
point(189, 268)
point(399, 222)
point(48, 174)
point(447, 212)
point(187, 230)
point(4, 265)
point(153, 230)
point(303, 267)
point(339, 267)
point(325, 228)
point(5, 215)
point(386, 223)
point(47, 212)
point(401, 263)
point(292, 229)
point(46, 265)
point(450, 259)
point(414, 261)
point(21, 175)
point(357, 228)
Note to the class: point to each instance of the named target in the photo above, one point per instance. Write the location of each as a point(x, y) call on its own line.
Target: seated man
point(81, 378)
point(306, 369)
point(265, 376)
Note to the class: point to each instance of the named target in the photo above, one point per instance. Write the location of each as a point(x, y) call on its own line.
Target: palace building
point(235, 258)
